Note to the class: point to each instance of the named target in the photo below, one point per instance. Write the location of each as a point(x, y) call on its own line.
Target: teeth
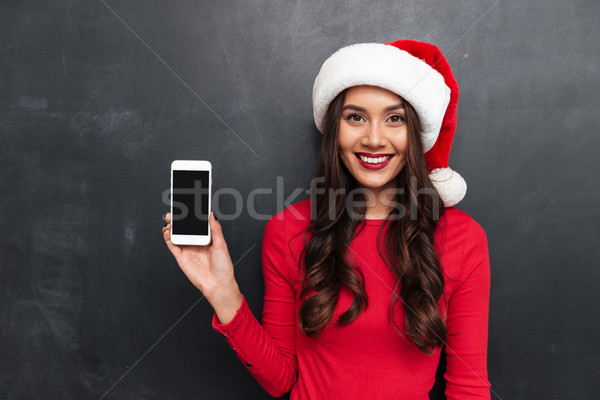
point(371, 160)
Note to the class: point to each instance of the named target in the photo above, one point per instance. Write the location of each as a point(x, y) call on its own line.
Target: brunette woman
point(369, 279)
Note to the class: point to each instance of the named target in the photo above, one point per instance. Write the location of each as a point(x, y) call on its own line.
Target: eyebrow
point(357, 108)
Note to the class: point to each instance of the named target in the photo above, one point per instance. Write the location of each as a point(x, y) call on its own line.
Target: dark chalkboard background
point(98, 97)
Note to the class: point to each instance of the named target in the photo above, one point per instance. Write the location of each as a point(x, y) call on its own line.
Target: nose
point(374, 136)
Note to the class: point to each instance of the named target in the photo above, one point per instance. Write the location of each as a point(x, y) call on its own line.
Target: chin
point(376, 185)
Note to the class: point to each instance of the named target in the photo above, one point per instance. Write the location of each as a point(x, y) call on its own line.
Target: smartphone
point(191, 187)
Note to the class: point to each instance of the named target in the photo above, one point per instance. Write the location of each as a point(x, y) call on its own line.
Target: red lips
point(373, 166)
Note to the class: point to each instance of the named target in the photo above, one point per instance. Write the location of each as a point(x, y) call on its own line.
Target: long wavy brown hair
point(409, 242)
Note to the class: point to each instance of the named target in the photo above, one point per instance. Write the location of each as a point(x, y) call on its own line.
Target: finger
point(217, 239)
point(168, 218)
point(166, 231)
point(175, 249)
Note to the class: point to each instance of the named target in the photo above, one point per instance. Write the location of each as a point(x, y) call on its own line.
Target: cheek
point(401, 143)
point(344, 144)
point(345, 154)
point(346, 157)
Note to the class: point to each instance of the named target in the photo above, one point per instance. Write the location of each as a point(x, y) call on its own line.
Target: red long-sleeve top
point(366, 359)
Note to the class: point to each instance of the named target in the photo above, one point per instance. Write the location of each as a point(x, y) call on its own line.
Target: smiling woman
point(361, 297)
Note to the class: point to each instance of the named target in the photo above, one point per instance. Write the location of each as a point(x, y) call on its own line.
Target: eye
point(397, 119)
point(354, 117)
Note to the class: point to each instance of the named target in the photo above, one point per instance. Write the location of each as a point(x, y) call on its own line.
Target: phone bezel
point(192, 165)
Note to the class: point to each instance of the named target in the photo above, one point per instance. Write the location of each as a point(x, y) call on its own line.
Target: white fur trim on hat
point(386, 66)
point(449, 184)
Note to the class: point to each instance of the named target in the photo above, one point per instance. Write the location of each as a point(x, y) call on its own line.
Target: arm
point(468, 310)
point(268, 351)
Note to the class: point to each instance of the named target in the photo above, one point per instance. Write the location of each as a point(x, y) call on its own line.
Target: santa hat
point(419, 73)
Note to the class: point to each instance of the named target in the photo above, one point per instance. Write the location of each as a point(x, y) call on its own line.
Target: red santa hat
point(419, 73)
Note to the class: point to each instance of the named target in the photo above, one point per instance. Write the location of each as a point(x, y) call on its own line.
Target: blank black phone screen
point(190, 202)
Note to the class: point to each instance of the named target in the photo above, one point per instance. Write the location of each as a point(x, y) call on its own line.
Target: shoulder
point(461, 243)
point(288, 222)
point(294, 216)
point(283, 237)
point(460, 223)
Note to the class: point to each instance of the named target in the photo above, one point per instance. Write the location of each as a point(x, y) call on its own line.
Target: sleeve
point(467, 323)
point(269, 350)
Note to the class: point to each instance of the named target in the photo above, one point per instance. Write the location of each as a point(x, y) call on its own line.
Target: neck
point(378, 204)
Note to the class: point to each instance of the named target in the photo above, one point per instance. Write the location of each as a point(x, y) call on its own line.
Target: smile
point(376, 162)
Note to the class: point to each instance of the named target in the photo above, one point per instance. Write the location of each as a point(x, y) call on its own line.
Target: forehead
point(371, 95)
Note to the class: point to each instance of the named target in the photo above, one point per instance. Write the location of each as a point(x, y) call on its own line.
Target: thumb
point(217, 233)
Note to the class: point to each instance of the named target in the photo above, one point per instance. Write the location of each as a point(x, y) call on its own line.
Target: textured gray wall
point(97, 97)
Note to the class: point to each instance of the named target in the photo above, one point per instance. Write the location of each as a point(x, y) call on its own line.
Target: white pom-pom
point(449, 184)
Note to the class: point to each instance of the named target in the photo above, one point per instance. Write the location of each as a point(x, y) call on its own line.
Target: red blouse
point(366, 359)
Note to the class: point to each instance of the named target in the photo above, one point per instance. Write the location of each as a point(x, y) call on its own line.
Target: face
point(373, 136)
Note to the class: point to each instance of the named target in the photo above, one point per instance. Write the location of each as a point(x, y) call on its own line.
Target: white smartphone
point(191, 187)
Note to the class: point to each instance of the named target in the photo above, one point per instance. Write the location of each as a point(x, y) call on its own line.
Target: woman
point(371, 277)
